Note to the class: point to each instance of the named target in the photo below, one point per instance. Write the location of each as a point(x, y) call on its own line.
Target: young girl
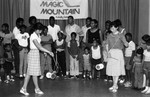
point(96, 54)
point(34, 60)
point(115, 64)
point(137, 68)
point(86, 64)
point(146, 67)
point(22, 38)
point(60, 49)
point(8, 65)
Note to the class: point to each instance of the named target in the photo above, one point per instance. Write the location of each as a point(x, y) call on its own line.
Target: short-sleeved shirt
point(86, 59)
point(146, 56)
point(23, 39)
point(33, 37)
point(72, 28)
point(46, 39)
point(116, 41)
point(130, 49)
point(53, 31)
point(7, 40)
point(73, 47)
point(84, 31)
point(16, 31)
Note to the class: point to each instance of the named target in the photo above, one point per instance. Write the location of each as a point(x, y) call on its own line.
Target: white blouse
point(33, 37)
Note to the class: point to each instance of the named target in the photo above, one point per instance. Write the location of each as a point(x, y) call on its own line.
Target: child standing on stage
point(138, 69)
point(87, 63)
point(60, 51)
point(46, 61)
point(22, 38)
point(128, 54)
point(73, 49)
point(96, 58)
point(8, 65)
point(146, 67)
point(34, 60)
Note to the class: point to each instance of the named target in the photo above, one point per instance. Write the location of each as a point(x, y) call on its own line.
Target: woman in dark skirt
point(34, 60)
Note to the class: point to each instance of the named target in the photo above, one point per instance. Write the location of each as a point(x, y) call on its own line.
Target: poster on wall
point(60, 9)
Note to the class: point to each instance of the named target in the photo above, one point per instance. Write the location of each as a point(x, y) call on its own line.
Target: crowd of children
point(122, 59)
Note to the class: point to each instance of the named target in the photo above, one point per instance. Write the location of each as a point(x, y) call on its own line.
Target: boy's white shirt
point(130, 49)
point(23, 39)
point(146, 55)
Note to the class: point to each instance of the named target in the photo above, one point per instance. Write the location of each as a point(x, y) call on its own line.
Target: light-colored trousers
point(23, 61)
point(74, 66)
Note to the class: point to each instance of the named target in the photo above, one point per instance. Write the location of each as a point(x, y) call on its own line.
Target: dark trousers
point(61, 58)
point(95, 73)
point(8, 66)
point(16, 55)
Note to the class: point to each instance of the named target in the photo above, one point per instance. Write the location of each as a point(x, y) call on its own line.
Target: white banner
point(60, 9)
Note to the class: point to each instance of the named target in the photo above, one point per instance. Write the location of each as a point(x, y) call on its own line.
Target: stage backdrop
point(60, 9)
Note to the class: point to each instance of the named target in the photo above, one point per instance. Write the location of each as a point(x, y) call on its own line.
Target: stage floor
point(68, 88)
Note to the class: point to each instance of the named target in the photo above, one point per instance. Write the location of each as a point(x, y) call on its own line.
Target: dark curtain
point(126, 10)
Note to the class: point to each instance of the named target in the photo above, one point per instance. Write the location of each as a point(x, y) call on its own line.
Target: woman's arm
point(41, 48)
point(124, 40)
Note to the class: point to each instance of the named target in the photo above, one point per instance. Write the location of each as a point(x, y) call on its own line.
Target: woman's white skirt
point(34, 63)
point(115, 65)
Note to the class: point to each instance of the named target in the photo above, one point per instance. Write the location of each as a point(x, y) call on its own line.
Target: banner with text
point(60, 9)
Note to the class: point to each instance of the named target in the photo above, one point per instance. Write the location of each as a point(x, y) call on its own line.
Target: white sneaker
point(0, 79)
point(38, 91)
point(23, 91)
point(148, 91)
point(41, 77)
point(145, 90)
point(121, 81)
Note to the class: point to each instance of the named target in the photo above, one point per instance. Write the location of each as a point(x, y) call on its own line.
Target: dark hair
point(95, 21)
point(118, 22)
point(38, 26)
point(23, 26)
point(51, 17)
point(108, 22)
point(87, 48)
point(19, 20)
point(60, 33)
point(73, 33)
point(148, 42)
point(129, 35)
point(31, 18)
point(145, 37)
point(71, 17)
point(5, 25)
point(114, 23)
point(45, 27)
point(88, 18)
point(140, 51)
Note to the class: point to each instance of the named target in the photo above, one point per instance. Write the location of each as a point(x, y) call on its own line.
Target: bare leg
point(26, 80)
point(35, 81)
